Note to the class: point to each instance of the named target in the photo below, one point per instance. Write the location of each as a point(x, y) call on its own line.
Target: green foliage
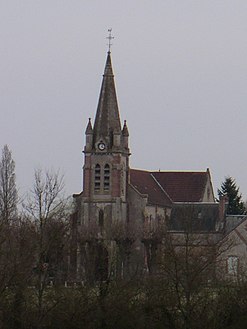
point(235, 205)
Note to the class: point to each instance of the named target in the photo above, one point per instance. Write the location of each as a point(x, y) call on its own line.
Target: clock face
point(101, 146)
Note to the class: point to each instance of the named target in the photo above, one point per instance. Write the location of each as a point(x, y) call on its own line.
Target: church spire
point(107, 120)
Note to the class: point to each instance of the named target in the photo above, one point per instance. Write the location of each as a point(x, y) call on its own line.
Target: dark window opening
point(106, 177)
point(97, 178)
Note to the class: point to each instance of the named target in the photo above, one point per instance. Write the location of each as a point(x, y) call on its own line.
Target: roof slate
point(165, 187)
point(146, 184)
point(183, 186)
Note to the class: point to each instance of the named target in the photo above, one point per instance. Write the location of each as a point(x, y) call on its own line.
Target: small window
point(106, 177)
point(97, 178)
point(232, 265)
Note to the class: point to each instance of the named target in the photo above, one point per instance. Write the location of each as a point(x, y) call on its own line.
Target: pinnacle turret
point(125, 131)
point(89, 129)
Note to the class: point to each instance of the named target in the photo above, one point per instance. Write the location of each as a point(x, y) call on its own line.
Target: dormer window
point(97, 175)
point(107, 177)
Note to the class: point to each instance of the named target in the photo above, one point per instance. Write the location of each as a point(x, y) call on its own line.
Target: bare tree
point(8, 191)
point(188, 265)
point(48, 209)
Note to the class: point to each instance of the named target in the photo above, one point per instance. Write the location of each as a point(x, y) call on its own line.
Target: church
point(121, 211)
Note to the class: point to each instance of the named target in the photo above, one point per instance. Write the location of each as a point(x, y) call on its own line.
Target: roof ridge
point(143, 170)
point(179, 171)
point(170, 171)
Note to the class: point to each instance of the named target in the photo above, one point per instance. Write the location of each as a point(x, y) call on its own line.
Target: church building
point(119, 206)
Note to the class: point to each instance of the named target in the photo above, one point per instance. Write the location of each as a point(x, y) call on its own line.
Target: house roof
point(145, 183)
point(183, 186)
point(164, 187)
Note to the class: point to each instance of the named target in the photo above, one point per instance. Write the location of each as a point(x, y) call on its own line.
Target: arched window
point(106, 177)
point(97, 178)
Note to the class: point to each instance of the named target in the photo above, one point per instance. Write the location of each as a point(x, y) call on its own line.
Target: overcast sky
point(180, 70)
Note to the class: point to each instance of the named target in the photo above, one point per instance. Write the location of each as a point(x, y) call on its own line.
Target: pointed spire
point(107, 117)
point(125, 131)
point(89, 129)
point(108, 66)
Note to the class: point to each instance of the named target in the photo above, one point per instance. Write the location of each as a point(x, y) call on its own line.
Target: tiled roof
point(146, 184)
point(183, 186)
point(164, 186)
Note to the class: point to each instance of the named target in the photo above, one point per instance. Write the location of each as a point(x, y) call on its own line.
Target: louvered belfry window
point(97, 178)
point(106, 177)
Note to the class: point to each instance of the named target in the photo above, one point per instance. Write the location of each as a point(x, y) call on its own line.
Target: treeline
point(152, 302)
point(38, 290)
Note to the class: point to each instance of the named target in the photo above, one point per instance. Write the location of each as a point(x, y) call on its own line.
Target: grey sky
point(181, 76)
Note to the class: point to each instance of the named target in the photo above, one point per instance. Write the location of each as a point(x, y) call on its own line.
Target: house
point(232, 249)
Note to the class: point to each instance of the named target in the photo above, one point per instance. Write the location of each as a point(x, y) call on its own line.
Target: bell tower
point(106, 159)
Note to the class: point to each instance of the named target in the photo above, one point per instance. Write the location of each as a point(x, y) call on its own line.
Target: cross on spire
point(110, 37)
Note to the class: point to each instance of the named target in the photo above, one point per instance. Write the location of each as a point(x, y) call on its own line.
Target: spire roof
point(107, 117)
point(89, 129)
point(125, 130)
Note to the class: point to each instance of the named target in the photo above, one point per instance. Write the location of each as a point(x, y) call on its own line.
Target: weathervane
point(110, 37)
